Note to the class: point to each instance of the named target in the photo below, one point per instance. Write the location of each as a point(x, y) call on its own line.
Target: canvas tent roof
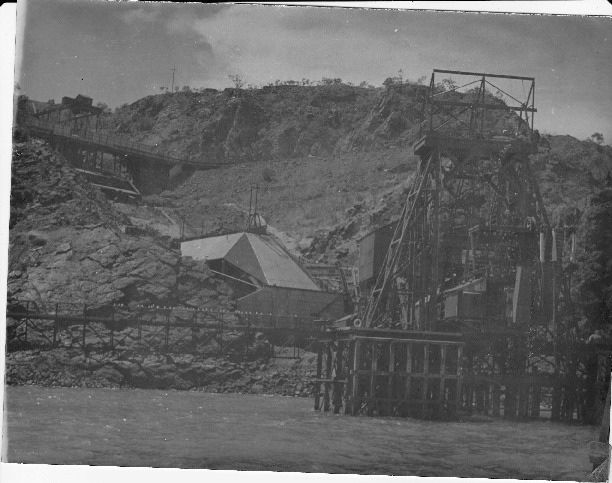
point(261, 256)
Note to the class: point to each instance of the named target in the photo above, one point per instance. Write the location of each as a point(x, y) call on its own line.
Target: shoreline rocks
point(65, 367)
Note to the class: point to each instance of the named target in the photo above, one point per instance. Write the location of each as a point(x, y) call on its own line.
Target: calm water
point(246, 432)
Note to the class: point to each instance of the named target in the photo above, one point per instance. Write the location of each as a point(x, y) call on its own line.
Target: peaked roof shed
point(260, 256)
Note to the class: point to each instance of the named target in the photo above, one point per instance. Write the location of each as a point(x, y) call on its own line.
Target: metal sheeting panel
point(521, 300)
point(278, 267)
point(243, 256)
point(373, 248)
point(212, 248)
point(366, 256)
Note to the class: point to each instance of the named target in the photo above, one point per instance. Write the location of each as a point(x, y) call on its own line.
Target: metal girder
point(480, 74)
point(477, 105)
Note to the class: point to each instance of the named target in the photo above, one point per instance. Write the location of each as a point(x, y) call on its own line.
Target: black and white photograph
point(290, 240)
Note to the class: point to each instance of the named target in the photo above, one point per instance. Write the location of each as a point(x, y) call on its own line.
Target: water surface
point(181, 429)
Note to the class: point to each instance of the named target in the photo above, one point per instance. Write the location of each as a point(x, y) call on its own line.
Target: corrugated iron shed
point(261, 256)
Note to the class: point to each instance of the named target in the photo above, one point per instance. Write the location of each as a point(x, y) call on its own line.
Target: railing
point(178, 316)
point(100, 328)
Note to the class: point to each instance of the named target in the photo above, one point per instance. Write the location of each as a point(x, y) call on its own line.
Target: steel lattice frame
point(475, 212)
point(465, 181)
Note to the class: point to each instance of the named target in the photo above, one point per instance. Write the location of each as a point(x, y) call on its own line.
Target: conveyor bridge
point(111, 144)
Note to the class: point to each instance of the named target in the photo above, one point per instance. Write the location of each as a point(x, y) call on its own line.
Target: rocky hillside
point(67, 243)
point(284, 121)
point(300, 198)
point(570, 173)
point(275, 122)
point(322, 204)
point(332, 161)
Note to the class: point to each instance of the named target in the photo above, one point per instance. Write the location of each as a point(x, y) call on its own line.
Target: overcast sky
point(120, 52)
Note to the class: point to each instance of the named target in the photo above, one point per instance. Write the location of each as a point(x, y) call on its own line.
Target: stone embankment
point(64, 367)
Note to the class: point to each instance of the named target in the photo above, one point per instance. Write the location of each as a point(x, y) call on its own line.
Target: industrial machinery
point(469, 232)
point(463, 313)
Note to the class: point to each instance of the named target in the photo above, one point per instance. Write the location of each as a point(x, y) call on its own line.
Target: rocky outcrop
point(47, 193)
point(101, 267)
point(340, 242)
point(67, 243)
